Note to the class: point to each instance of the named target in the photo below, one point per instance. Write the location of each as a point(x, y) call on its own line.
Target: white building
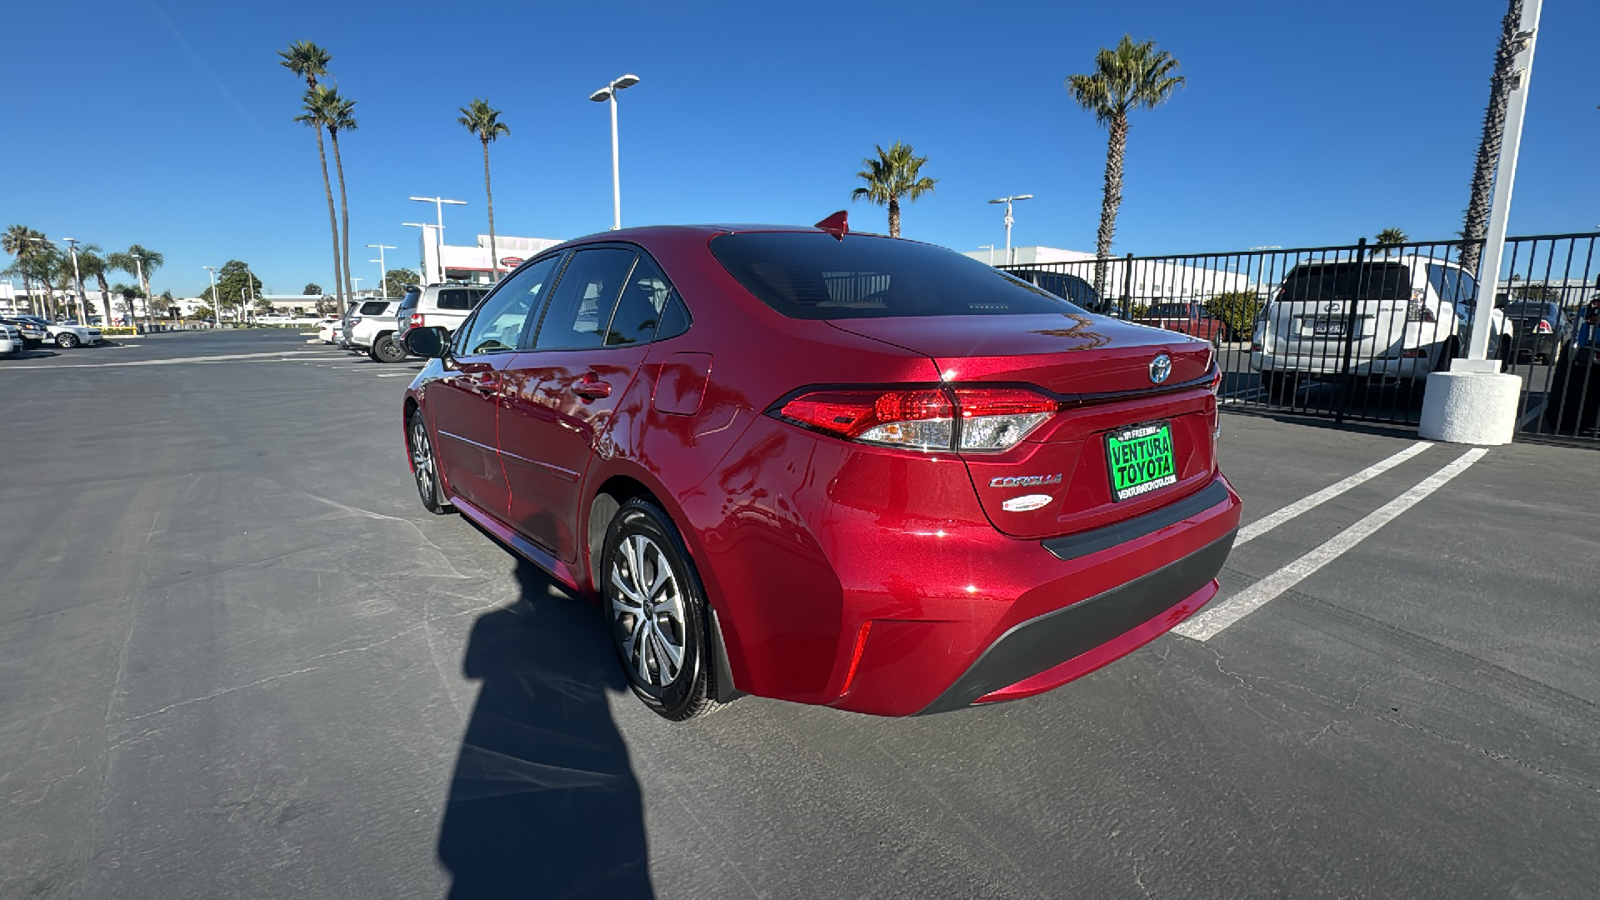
point(1149, 280)
point(473, 263)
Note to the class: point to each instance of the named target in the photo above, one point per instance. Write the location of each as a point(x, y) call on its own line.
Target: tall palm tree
point(1494, 130)
point(337, 114)
point(1390, 237)
point(896, 173)
point(92, 263)
point(485, 123)
point(138, 262)
point(26, 244)
point(1125, 78)
point(310, 62)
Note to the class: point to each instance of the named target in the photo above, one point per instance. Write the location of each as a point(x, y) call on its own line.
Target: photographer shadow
point(543, 802)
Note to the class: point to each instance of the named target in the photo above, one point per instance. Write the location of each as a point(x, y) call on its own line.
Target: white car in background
point(10, 341)
point(328, 329)
point(68, 336)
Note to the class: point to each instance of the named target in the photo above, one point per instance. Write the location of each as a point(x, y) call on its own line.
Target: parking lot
point(237, 658)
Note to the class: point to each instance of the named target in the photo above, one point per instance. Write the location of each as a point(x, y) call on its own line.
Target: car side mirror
point(432, 342)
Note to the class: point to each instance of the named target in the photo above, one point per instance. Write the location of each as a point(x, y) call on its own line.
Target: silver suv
point(437, 305)
point(370, 327)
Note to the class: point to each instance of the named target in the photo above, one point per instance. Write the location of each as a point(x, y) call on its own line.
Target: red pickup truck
point(1185, 318)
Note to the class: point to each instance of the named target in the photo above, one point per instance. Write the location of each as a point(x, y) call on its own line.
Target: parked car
point(34, 334)
point(67, 336)
point(1411, 315)
point(829, 468)
point(11, 342)
point(1185, 318)
point(1542, 328)
point(443, 305)
point(328, 329)
point(1064, 285)
point(371, 330)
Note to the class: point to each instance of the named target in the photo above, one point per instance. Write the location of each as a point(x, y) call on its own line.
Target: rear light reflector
point(1544, 327)
point(991, 419)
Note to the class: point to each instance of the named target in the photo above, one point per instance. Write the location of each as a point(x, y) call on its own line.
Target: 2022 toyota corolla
point(830, 468)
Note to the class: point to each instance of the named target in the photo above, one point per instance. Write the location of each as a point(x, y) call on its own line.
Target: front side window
point(501, 322)
point(580, 308)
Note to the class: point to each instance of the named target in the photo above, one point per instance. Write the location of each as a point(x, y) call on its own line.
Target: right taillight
point(1544, 327)
point(990, 419)
point(416, 320)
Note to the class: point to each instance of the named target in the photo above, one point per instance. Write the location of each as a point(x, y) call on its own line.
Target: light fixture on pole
point(383, 273)
point(77, 279)
point(216, 301)
point(604, 95)
point(138, 263)
point(438, 206)
point(357, 281)
point(426, 274)
point(1008, 201)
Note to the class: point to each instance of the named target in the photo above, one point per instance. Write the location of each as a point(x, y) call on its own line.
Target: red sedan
point(830, 468)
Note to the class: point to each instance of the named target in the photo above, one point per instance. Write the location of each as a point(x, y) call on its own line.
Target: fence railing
point(1352, 332)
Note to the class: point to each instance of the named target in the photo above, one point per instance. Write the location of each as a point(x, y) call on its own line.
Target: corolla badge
point(1160, 368)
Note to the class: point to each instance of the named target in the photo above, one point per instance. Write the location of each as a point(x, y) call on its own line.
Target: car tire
point(425, 466)
point(1280, 386)
point(1446, 355)
point(387, 350)
point(651, 613)
point(66, 340)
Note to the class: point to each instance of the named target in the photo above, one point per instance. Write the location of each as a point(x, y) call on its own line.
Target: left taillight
point(945, 418)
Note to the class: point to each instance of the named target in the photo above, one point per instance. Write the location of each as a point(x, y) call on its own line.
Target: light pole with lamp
point(605, 94)
point(438, 206)
point(77, 279)
point(424, 266)
point(1008, 201)
point(216, 300)
point(356, 280)
point(383, 273)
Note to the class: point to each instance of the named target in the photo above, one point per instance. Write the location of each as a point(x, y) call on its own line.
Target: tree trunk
point(333, 222)
point(494, 254)
point(1116, 148)
point(105, 297)
point(344, 215)
point(1494, 129)
point(894, 216)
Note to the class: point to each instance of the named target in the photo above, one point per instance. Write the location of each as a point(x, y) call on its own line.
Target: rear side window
point(1348, 281)
point(1453, 285)
point(374, 307)
point(806, 275)
point(639, 309)
point(458, 299)
point(580, 308)
point(409, 301)
point(1064, 285)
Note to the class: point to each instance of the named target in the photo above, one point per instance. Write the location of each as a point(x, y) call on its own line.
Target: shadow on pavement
point(543, 802)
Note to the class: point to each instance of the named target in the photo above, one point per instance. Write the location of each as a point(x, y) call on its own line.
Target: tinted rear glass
point(409, 301)
point(459, 298)
point(1348, 281)
point(1169, 311)
point(1531, 310)
point(374, 307)
point(807, 275)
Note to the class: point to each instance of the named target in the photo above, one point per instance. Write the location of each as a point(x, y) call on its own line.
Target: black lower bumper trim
point(1073, 546)
point(1038, 644)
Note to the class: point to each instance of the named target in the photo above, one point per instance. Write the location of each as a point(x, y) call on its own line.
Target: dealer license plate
point(1140, 459)
point(1327, 328)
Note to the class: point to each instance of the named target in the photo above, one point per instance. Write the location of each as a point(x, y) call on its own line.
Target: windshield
point(814, 275)
point(1348, 281)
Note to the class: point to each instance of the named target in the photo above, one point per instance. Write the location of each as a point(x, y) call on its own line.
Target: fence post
point(1348, 389)
point(1127, 286)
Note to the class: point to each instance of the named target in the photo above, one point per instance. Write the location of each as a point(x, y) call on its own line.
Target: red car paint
point(1185, 318)
point(880, 579)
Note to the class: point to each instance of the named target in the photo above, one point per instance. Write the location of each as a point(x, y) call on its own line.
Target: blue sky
point(170, 124)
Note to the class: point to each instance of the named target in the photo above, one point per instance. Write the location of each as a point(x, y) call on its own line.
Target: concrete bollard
point(1474, 403)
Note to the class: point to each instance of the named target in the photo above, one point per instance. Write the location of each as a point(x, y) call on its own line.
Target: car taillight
point(416, 320)
point(354, 319)
point(1216, 381)
point(1544, 327)
point(991, 419)
point(1418, 311)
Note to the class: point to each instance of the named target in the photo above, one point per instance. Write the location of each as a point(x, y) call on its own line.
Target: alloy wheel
point(647, 609)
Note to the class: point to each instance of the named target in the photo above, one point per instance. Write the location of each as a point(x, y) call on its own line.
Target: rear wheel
point(1280, 386)
point(656, 612)
point(1448, 353)
point(424, 468)
point(66, 340)
point(386, 349)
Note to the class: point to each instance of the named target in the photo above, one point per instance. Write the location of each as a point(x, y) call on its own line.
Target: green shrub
point(1237, 310)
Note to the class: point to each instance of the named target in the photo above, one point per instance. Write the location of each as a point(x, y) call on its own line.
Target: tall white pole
point(438, 206)
point(1010, 259)
point(1505, 173)
point(77, 279)
point(383, 272)
point(138, 263)
point(216, 301)
point(616, 171)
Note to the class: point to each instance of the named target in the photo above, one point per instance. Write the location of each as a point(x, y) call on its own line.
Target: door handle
point(487, 386)
point(592, 390)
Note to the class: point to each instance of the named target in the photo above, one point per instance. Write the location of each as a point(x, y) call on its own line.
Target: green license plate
point(1140, 460)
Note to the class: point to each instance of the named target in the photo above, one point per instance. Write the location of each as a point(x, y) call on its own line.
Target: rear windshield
point(1348, 281)
point(374, 307)
point(409, 301)
point(1169, 311)
point(1531, 310)
point(814, 275)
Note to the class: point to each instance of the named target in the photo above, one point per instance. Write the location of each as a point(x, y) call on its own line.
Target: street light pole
point(216, 301)
point(383, 273)
point(990, 248)
point(1008, 201)
point(77, 279)
point(438, 205)
point(608, 94)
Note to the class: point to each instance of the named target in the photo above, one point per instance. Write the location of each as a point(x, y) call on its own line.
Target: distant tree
point(1494, 130)
point(204, 312)
point(263, 305)
point(896, 173)
point(312, 289)
point(310, 62)
point(31, 251)
point(485, 123)
point(327, 306)
point(234, 281)
point(1125, 78)
point(336, 113)
point(1390, 237)
point(395, 281)
point(1542, 292)
point(140, 263)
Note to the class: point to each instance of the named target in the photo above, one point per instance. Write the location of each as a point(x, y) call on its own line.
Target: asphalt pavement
point(238, 659)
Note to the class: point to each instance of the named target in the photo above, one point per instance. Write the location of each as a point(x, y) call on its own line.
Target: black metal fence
point(1352, 332)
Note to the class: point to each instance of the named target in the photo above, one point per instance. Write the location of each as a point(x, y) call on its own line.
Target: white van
point(1410, 316)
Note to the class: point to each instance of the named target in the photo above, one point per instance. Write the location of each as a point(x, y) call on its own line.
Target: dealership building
point(474, 263)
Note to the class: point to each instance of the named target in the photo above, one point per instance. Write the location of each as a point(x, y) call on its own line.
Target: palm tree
point(1390, 237)
point(138, 262)
point(894, 174)
point(485, 123)
point(1494, 130)
point(309, 61)
point(1125, 78)
point(336, 114)
point(92, 263)
point(28, 245)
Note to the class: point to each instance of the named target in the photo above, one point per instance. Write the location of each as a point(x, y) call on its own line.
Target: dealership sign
point(511, 261)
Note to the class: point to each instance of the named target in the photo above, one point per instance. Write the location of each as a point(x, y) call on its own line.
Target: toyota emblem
point(1160, 368)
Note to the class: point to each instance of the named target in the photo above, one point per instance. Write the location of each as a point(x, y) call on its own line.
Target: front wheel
point(424, 467)
point(655, 611)
point(66, 340)
point(386, 349)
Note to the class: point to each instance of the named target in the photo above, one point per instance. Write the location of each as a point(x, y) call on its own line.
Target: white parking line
point(179, 361)
point(1532, 414)
point(1268, 522)
point(1212, 620)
